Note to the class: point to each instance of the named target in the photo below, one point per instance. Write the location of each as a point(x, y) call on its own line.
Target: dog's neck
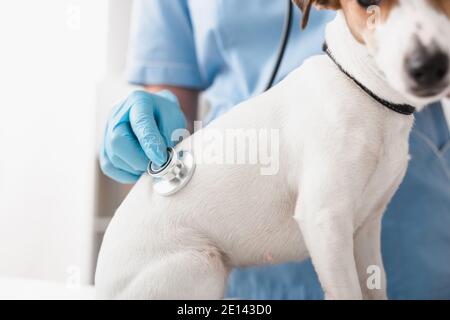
point(354, 57)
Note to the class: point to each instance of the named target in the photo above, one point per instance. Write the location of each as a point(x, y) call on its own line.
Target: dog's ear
point(305, 6)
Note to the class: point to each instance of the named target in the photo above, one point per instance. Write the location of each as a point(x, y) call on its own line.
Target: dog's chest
point(387, 176)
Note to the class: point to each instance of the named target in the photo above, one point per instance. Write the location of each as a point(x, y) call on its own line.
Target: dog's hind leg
point(195, 274)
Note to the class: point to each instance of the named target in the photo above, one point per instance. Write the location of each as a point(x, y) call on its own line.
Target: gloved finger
point(124, 145)
point(169, 95)
point(112, 172)
point(169, 116)
point(147, 132)
point(113, 146)
point(122, 165)
point(119, 113)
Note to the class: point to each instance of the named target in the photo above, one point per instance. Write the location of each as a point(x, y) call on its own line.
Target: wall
point(54, 82)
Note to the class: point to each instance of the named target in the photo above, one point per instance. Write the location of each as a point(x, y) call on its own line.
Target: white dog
point(344, 122)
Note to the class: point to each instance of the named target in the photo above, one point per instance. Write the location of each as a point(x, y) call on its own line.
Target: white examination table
point(24, 289)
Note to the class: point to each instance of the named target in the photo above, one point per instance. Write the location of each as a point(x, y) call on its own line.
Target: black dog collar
point(399, 108)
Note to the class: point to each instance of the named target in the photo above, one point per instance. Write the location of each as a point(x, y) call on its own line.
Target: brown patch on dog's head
point(358, 13)
point(306, 5)
point(441, 5)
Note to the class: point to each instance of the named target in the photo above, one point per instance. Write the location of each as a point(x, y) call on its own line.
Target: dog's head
point(409, 40)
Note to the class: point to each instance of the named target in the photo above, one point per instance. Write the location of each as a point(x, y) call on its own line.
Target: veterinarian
point(227, 49)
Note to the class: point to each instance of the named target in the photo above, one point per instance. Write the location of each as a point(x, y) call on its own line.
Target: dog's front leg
point(333, 180)
point(329, 239)
point(369, 261)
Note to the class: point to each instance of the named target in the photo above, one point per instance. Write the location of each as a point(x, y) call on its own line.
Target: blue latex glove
point(139, 130)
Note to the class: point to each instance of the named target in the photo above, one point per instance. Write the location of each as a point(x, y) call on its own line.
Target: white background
point(61, 66)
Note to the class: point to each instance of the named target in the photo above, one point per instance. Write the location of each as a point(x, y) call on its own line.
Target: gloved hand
point(139, 130)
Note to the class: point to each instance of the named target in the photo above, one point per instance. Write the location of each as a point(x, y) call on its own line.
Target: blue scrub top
point(227, 48)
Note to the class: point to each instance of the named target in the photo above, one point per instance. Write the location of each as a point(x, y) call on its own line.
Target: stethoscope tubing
point(283, 44)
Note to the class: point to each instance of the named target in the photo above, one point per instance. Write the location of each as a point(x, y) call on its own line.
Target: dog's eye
point(368, 3)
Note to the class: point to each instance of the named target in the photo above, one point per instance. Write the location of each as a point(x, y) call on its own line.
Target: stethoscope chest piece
point(174, 174)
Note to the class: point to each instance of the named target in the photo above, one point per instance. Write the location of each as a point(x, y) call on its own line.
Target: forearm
point(188, 99)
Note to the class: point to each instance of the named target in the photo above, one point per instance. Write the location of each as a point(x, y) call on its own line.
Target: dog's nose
point(427, 69)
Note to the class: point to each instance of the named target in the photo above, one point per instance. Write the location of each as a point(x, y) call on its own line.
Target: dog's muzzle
point(174, 174)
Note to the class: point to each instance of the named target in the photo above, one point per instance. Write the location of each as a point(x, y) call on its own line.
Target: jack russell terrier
point(343, 119)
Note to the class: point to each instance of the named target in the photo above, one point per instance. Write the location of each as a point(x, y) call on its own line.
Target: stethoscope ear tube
point(283, 44)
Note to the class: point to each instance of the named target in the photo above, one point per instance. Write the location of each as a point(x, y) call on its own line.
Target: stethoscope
point(174, 174)
point(179, 168)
